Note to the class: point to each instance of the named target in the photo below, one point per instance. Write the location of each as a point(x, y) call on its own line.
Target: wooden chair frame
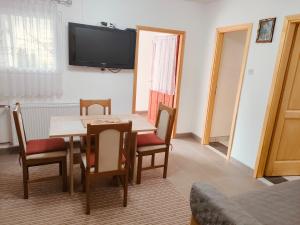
point(140, 155)
point(85, 103)
point(87, 176)
point(105, 103)
point(26, 163)
point(193, 221)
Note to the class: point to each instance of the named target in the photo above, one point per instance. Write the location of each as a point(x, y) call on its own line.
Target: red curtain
point(154, 100)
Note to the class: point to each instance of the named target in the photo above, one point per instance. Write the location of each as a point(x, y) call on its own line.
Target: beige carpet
point(155, 201)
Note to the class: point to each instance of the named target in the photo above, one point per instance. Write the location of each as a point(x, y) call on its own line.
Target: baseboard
point(9, 150)
point(218, 139)
point(141, 111)
point(188, 135)
point(184, 135)
point(197, 138)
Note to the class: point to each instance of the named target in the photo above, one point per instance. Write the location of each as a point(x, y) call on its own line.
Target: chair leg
point(125, 189)
point(166, 163)
point(115, 181)
point(25, 181)
point(139, 169)
point(81, 173)
point(153, 159)
point(87, 190)
point(82, 176)
point(63, 166)
point(60, 168)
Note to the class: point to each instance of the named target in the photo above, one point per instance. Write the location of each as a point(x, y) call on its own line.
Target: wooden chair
point(39, 152)
point(95, 107)
point(109, 158)
point(157, 142)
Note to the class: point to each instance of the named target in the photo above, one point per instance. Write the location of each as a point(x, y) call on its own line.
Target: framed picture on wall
point(265, 30)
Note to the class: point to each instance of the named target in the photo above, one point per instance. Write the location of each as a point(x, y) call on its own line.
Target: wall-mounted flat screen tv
point(101, 46)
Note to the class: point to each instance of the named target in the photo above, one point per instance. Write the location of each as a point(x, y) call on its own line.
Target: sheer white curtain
point(30, 48)
point(164, 64)
point(163, 74)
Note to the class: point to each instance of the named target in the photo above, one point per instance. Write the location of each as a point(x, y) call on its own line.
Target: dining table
point(75, 126)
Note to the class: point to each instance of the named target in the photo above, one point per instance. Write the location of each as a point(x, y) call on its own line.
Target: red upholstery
point(148, 139)
point(93, 158)
point(157, 97)
point(45, 145)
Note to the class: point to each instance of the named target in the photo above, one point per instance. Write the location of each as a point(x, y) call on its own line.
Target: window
point(30, 62)
point(28, 44)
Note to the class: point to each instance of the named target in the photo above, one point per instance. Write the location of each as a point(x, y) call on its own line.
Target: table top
point(66, 126)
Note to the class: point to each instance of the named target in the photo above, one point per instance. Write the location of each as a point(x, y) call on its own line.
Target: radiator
point(36, 117)
point(5, 121)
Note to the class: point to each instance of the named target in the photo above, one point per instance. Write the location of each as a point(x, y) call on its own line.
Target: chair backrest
point(165, 122)
point(95, 107)
point(20, 130)
point(112, 140)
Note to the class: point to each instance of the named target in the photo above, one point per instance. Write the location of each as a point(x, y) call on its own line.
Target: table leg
point(71, 151)
point(133, 169)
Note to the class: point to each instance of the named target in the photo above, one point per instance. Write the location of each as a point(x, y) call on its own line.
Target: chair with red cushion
point(157, 142)
point(107, 157)
point(39, 152)
point(93, 107)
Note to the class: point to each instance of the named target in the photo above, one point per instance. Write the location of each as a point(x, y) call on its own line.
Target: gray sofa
point(275, 205)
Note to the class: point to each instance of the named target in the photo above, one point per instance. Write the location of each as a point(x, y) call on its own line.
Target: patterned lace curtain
point(30, 49)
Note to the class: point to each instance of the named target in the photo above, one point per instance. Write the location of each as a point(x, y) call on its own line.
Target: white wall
point(80, 82)
point(199, 21)
point(229, 76)
point(261, 59)
point(91, 83)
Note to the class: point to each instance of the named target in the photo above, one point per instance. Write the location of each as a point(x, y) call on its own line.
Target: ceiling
point(202, 1)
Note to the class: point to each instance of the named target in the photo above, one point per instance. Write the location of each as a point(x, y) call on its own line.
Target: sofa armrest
point(211, 207)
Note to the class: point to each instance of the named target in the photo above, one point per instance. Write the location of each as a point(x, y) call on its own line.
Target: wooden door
point(284, 156)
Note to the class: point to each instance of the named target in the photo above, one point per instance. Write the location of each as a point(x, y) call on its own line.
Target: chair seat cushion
point(148, 140)
point(45, 145)
point(150, 149)
point(47, 155)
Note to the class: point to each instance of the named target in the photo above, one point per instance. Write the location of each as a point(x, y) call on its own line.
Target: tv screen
point(101, 46)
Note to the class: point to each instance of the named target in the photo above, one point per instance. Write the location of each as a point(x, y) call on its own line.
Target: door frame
point(180, 56)
point(219, 40)
point(282, 62)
